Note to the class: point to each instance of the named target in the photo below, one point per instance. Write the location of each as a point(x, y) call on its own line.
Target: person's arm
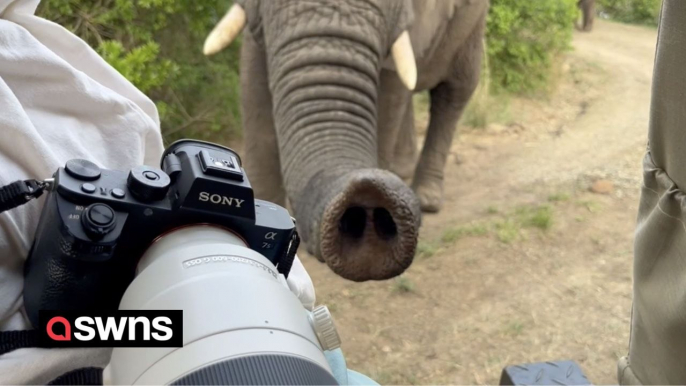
point(58, 100)
point(658, 328)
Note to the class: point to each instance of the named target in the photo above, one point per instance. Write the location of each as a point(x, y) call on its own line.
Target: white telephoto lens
point(241, 323)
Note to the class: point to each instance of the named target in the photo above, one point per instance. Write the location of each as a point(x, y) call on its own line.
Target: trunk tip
point(369, 231)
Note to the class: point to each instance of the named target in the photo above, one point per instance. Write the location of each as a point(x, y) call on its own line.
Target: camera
point(188, 236)
point(96, 224)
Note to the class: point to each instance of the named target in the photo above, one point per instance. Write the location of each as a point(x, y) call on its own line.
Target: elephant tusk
point(226, 31)
point(403, 56)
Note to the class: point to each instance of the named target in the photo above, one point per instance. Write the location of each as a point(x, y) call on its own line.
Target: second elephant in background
point(588, 14)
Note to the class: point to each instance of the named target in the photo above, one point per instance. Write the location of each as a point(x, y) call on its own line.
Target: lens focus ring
point(324, 328)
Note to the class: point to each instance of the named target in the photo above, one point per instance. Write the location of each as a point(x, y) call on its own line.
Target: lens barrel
point(241, 323)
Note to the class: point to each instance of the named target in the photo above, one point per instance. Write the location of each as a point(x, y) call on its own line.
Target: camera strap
point(19, 193)
point(286, 261)
point(13, 340)
point(82, 376)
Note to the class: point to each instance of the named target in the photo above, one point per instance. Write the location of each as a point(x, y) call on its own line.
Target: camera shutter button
point(98, 220)
point(147, 183)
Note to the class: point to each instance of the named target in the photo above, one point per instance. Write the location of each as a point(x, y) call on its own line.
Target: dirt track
point(523, 263)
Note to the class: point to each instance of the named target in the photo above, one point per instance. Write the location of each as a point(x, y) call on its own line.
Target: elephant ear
point(427, 19)
point(400, 16)
point(253, 15)
point(403, 17)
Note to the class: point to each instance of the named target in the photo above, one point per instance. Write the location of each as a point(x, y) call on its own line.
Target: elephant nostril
point(353, 222)
point(384, 225)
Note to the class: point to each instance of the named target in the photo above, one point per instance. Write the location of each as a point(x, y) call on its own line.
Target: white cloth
point(59, 100)
point(300, 283)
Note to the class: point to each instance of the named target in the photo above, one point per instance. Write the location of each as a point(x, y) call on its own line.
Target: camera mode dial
point(82, 169)
point(147, 183)
point(98, 220)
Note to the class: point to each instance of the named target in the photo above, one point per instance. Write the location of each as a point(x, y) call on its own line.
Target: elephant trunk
point(362, 221)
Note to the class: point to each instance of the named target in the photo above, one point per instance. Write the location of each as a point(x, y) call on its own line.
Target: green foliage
point(514, 328)
point(492, 209)
point(426, 249)
point(558, 197)
point(540, 217)
point(632, 11)
point(157, 45)
point(453, 234)
point(403, 285)
point(140, 65)
point(524, 38)
point(528, 216)
point(507, 231)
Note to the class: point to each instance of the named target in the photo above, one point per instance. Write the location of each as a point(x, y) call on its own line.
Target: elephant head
point(324, 59)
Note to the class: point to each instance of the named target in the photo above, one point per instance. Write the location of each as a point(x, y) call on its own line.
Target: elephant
point(326, 88)
point(588, 10)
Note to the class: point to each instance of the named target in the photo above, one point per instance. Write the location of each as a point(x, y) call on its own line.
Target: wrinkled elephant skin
point(327, 112)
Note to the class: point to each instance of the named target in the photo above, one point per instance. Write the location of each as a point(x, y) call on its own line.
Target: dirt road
point(524, 263)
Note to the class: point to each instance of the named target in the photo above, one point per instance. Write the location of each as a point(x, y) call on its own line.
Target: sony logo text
point(220, 200)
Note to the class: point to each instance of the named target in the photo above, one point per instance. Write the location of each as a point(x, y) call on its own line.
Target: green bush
point(524, 37)
point(157, 45)
point(632, 11)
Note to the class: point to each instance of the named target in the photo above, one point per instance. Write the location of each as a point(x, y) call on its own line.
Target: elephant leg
point(588, 10)
point(394, 99)
point(448, 100)
point(405, 157)
point(261, 151)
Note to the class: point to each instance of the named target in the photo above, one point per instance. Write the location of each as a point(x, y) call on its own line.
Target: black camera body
point(96, 224)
